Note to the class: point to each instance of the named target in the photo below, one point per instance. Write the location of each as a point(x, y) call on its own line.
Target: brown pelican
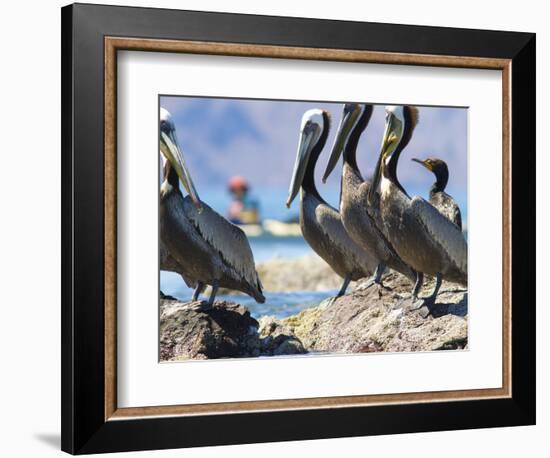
point(422, 236)
point(207, 248)
point(361, 220)
point(169, 264)
point(438, 197)
point(167, 261)
point(320, 223)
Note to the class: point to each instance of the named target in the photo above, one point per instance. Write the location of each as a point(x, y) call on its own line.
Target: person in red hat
point(243, 208)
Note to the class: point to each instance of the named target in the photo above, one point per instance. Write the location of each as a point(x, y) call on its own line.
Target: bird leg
point(436, 288)
point(417, 285)
point(429, 302)
point(215, 286)
point(198, 290)
point(342, 291)
point(344, 287)
point(376, 278)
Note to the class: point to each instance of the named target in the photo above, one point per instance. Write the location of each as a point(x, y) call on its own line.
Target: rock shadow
point(451, 308)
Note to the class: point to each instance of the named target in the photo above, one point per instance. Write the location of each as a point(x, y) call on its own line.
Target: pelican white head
point(313, 117)
point(166, 123)
point(170, 149)
point(311, 129)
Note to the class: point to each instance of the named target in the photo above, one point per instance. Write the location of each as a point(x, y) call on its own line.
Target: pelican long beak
point(170, 148)
point(308, 138)
point(348, 121)
point(424, 163)
point(389, 140)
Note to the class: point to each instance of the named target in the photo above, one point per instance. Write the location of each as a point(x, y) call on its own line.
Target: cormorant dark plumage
point(438, 197)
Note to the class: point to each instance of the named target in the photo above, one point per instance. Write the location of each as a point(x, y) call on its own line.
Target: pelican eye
point(167, 126)
point(310, 125)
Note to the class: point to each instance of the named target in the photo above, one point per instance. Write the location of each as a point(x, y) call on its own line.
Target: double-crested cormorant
point(320, 223)
point(423, 237)
point(207, 248)
point(438, 197)
point(361, 219)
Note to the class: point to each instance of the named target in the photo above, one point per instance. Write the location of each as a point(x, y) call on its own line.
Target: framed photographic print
point(282, 228)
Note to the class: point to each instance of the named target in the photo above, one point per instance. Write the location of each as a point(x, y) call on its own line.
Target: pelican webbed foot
point(426, 306)
point(376, 278)
point(366, 285)
point(199, 306)
point(329, 301)
point(203, 306)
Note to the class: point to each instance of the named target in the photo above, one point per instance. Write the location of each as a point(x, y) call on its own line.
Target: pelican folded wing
point(331, 223)
point(226, 238)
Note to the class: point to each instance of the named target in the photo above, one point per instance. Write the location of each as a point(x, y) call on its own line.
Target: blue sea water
point(281, 305)
point(278, 304)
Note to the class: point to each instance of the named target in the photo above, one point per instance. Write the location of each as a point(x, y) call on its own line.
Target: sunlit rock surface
point(377, 319)
point(383, 319)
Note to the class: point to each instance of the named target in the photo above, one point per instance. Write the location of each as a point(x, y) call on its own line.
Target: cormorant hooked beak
point(170, 148)
point(426, 163)
point(309, 136)
point(350, 116)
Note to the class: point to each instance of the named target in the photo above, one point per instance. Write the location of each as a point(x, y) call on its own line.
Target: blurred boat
point(273, 228)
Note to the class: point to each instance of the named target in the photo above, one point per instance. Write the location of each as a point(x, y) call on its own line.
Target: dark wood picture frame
point(91, 37)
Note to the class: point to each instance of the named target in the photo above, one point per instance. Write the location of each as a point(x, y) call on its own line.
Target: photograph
point(309, 228)
point(281, 226)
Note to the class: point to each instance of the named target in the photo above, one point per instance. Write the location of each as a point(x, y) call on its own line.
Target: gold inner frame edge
point(114, 44)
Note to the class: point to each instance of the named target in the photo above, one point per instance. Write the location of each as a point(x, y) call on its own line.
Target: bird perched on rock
point(438, 197)
point(424, 238)
point(320, 223)
point(207, 248)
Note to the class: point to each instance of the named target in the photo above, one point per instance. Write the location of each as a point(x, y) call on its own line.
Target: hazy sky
point(258, 139)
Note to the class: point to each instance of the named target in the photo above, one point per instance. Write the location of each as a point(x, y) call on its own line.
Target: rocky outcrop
point(383, 319)
point(189, 331)
point(376, 319)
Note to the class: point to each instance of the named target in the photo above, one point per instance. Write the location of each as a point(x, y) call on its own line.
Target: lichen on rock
point(383, 319)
